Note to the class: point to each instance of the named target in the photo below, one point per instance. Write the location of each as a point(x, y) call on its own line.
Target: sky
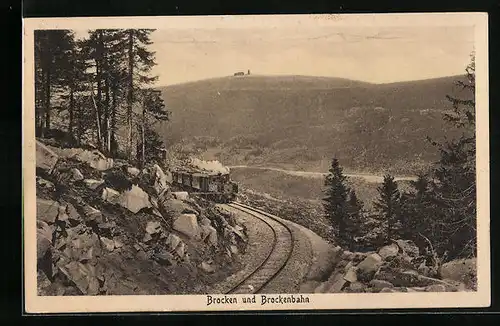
point(373, 53)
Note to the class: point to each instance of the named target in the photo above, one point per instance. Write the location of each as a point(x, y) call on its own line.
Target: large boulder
point(369, 266)
point(187, 224)
point(46, 159)
point(461, 270)
point(95, 159)
point(135, 199)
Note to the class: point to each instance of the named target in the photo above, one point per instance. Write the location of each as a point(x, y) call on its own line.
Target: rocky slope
point(105, 227)
point(398, 267)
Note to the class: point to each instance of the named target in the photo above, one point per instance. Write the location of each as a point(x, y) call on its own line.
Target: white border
point(481, 298)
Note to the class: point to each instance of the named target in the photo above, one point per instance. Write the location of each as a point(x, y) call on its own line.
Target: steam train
point(214, 186)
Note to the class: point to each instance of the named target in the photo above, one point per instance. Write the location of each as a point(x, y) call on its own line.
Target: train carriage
point(214, 186)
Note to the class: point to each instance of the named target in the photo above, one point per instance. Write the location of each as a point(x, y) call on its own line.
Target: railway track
point(276, 260)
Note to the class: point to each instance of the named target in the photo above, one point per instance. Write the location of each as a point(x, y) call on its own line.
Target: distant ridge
point(302, 121)
point(290, 78)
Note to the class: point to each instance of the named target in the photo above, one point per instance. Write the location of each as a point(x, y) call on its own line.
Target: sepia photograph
point(256, 162)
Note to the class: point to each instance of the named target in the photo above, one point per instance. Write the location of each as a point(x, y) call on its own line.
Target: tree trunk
point(71, 110)
point(98, 120)
point(143, 138)
point(113, 146)
point(107, 129)
point(47, 101)
point(130, 95)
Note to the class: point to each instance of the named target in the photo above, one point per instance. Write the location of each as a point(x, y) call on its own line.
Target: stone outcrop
point(108, 218)
point(187, 224)
point(397, 267)
point(46, 158)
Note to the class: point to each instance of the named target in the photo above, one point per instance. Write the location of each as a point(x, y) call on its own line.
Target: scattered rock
point(387, 290)
point(109, 245)
point(43, 237)
point(435, 288)
point(160, 180)
point(153, 227)
point(462, 270)
point(206, 267)
point(398, 277)
point(348, 255)
point(44, 183)
point(357, 287)
point(369, 266)
point(165, 258)
point(93, 184)
point(336, 282)
point(147, 237)
point(62, 215)
point(118, 244)
point(351, 275)
point(408, 247)
point(76, 175)
point(388, 251)
point(72, 213)
point(380, 284)
point(81, 276)
point(172, 241)
point(46, 159)
point(47, 210)
point(95, 159)
point(187, 224)
point(234, 249)
point(208, 231)
point(92, 214)
point(135, 199)
point(180, 250)
point(133, 171)
point(110, 195)
point(180, 195)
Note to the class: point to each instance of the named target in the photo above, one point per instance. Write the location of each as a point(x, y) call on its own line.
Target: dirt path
point(319, 175)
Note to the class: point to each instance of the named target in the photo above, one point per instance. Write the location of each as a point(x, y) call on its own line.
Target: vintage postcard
point(267, 162)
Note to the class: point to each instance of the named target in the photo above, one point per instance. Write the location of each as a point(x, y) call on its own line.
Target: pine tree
point(52, 55)
point(417, 211)
point(335, 202)
point(389, 206)
point(454, 178)
point(140, 61)
point(153, 111)
point(354, 220)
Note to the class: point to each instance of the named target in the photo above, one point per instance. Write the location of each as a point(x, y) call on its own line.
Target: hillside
point(300, 121)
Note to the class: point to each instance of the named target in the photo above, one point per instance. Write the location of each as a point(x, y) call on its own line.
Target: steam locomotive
point(215, 186)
